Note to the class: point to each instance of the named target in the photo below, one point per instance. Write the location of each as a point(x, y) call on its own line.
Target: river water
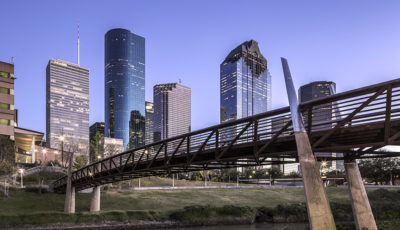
point(288, 226)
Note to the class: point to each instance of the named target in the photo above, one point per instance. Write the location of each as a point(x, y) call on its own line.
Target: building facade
point(315, 90)
point(67, 104)
point(111, 146)
point(7, 110)
point(245, 83)
point(97, 127)
point(124, 87)
point(172, 110)
point(149, 123)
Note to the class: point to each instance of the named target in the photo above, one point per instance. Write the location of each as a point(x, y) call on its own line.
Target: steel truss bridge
point(357, 123)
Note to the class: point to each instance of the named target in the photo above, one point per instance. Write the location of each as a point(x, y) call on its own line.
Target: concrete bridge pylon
point(318, 208)
point(95, 201)
point(362, 212)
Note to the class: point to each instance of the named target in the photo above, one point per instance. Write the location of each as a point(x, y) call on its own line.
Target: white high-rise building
point(67, 104)
point(172, 110)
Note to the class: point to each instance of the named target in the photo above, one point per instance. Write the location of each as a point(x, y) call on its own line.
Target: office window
point(4, 90)
point(4, 122)
point(4, 106)
point(4, 74)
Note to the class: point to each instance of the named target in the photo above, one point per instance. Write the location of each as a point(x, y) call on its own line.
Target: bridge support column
point(363, 216)
point(69, 205)
point(72, 201)
point(95, 202)
point(319, 211)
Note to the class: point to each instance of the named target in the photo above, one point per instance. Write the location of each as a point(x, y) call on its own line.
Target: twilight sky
point(354, 43)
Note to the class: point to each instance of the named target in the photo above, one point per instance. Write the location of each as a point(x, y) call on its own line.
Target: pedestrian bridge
point(356, 123)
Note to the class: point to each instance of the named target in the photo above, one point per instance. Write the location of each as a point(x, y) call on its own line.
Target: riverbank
point(189, 207)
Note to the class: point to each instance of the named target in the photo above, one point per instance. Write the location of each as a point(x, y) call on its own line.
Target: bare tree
point(7, 150)
point(72, 148)
point(112, 149)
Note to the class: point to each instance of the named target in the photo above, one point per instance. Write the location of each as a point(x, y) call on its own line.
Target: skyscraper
point(320, 89)
point(172, 110)
point(97, 127)
point(149, 123)
point(67, 104)
point(245, 83)
point(124, 86)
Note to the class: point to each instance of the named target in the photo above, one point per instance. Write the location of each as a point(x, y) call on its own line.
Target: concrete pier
point(95, 202)
point(72, 201)
point(319, 211)
point(363, 216)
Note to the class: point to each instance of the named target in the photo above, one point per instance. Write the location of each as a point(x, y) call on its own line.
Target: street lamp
point(62, 149)
point(21, 171)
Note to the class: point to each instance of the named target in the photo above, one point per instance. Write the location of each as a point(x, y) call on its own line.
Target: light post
point(323, 165)
point(21, 171)
point(62, 149)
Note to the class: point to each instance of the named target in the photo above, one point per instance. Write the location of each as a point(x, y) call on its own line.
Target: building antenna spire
point(78, 44)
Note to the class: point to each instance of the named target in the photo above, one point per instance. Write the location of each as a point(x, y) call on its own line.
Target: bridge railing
point(376, 103)
point(361, 107)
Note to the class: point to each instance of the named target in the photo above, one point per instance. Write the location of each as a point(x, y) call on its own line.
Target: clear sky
point(354, 43)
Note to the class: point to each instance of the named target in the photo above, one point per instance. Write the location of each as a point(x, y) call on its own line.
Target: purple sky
point(354, 43)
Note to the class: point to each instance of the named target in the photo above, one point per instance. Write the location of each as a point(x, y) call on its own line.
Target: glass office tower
point(124, 87)
point(67, 104)
point(321, 89)
point(245, 83)
point(149, 122)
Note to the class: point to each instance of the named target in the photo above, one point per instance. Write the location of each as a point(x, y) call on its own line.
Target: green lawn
point(164, 200)
point(229, 205)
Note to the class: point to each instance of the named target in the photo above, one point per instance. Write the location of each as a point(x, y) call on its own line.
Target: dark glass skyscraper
point(245, 83)
point(124, 86)
point(320, 89)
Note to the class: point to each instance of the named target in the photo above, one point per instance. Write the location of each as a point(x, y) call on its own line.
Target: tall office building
point(172, 110)
point(124, 87)
point(245, 83)
point(7, 111)
point(149, 122)
point(315, 90)
point(67, 104)
point(97, 127)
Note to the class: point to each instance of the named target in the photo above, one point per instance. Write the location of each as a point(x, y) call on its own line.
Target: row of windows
point(6, 74)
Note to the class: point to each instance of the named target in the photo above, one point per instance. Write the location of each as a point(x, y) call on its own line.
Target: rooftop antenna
point(78, 44)
point(180, 81)
point(12, 60)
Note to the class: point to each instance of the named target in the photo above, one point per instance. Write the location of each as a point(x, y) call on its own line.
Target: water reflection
point(286, 226)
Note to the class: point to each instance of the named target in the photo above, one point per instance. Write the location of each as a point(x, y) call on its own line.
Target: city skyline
point(342, 61)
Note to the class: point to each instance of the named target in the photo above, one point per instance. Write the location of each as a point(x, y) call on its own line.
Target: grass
point(163, 181)
point(165, 200)
point(193, 205)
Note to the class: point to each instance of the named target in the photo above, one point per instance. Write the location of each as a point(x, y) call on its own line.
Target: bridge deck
point(355, 123)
